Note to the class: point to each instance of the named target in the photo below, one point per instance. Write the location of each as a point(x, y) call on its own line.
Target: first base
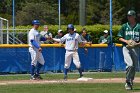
point(84, 79)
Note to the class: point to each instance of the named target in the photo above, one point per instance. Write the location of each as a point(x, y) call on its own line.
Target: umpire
point(130, 31)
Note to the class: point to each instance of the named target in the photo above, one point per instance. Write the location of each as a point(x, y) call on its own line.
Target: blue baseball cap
point(35, 22)
point(70, 26)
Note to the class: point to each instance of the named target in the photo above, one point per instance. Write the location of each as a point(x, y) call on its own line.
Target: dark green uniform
point(104, 40)
point(131, 55)
point(127, 32)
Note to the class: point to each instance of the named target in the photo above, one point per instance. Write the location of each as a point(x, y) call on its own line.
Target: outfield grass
point(66, 87)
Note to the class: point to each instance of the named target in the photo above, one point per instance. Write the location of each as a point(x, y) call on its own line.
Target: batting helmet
point(70, 26)
point(35, 22)
point(131, 13)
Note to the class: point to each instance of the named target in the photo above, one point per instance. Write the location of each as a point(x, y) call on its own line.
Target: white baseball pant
point(68, 57)
point(36, 56)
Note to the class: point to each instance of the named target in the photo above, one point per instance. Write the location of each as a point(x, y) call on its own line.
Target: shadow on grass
point(137, 89)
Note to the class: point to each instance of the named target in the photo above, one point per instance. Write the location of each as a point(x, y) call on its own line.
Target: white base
point(84, 79)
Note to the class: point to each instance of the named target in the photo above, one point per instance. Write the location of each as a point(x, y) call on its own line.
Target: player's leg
point(77, 63)
point(135, 58)
point(68, 56)
point(33, 62)
point(39, 65)
point(129, 67)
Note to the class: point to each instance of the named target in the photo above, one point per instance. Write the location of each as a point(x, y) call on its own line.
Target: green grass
point(66, 87)
point(51, 76)
point(70, 75)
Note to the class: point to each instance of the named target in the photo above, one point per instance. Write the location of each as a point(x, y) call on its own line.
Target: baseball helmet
point(70, 26)
point(35, 22)
point(131, 13)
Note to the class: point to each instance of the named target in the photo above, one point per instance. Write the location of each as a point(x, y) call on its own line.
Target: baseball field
point(102, 82)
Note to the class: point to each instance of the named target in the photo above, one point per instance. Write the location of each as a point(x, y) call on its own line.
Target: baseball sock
point(80, 72)
point(65, 71)
point(38, 68)
point(32, 70)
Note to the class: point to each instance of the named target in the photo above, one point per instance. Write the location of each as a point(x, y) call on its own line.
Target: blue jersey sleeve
point(35, 44)
point(43, 38)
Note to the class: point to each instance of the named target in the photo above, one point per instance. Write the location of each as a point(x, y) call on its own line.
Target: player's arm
point(60, 40)
point(33, 42)
point(42, 38)
point(57, 40)
point(123, 40)
point(36, 45)
point(50, 34)
point(88, 41)
point(121, 35)
point(80, 41)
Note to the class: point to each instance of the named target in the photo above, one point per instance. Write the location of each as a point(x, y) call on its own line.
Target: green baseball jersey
point(105, 40)
point(127, 32)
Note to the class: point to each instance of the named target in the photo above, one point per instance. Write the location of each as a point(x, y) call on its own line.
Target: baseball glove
point(131, 43)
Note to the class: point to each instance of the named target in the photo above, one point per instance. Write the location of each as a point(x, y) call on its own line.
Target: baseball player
point(71, 45)
point(35, 50)
point(130, 31)
point(105, 39)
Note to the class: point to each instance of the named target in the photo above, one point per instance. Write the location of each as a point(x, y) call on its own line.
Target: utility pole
point(82, 12)
point(59, 10)
point(13, 21)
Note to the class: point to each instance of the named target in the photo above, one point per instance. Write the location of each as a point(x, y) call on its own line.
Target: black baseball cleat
point(128, 86)
point(37, 76)
point(81, 75)
point(65, 77)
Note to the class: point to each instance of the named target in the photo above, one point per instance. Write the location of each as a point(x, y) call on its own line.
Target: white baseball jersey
point(71, 41)
point(71, 46)
point(36, 56)
point(33, 35)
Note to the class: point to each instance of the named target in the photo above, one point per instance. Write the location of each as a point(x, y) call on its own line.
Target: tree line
point(97, 11)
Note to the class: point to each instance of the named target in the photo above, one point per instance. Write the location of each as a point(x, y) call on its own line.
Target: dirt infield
point(110, 80)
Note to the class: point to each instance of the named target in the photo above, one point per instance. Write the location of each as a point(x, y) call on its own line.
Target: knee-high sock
point(32, 70)
point(80, 71)
point(38, 68)
point(130, 73)
point(65, 71)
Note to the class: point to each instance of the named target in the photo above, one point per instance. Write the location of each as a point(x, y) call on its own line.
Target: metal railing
point(2, 21)
point(19, 37)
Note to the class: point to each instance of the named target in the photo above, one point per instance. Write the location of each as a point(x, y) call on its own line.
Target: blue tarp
point(18, 59)
point(119, 64)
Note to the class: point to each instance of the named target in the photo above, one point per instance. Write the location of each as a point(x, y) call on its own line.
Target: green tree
point(70, 10)
point(97, 11)
point(93, 14)
point(42, 11)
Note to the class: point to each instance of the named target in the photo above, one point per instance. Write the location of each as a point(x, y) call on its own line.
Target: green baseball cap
point(131, 13)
